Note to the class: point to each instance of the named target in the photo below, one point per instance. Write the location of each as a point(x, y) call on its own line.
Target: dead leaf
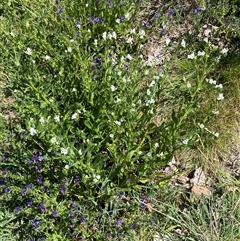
point(149, 207)
point(182, 179)
point(199, 178)
point(199, 190)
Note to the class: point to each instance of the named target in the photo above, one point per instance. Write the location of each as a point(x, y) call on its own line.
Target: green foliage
point(93, 117)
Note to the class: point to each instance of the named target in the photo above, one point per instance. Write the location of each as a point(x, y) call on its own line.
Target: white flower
point(220, 96)
point(130, 40)
point(185, 142)
point(205, 39)
point(54, 140)
point(57, 118)
point(140, 153)
point(104, 35)
point(183, 43)
point(114, 35)
point(111, 135)
point(224, 50)
point(96, 178)
point(152, 83)
point(80, 152)
point(220, 86)
point(148, 92)
point(47, 57)
point(74, 89)
point(215, 112)
point(113, 88)
point(12, 34)
point(95, 42)
point(189, 85)
point(117, 100)
point(133, 31)
point(71, 40)
point(201, 125)
point(67, 167)
point(168, 40)
point(41, 120)
point(64, 151)
point(118, 20)
point(216, 134)
point(127, 15)
point(191, 56)
point(213, 82)
point(29, 51)
point(200, 53)
point(156, 145)
point(69, 49)
point(118, 123)
point(151, 101)
point(33, 132)
point(74, 116)
point(149, 154)
point(141, 33)
point(129, 56)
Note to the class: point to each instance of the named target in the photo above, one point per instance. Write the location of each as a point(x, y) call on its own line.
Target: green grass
point(94, 126)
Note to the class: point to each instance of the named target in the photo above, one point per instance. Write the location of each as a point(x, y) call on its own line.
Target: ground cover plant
point(96, 117)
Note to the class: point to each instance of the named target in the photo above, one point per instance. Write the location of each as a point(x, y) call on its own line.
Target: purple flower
point(73, 206)
point(71, 224)
point(29, 202)
point(7, 189)
point(53, 168)
point(55, 213)
point(18, 209)
point(45, 188)
point(36, 156)
point(36, 223)
point(30, 162)
point(71, 215)
point(83, 220)
point(76, 180)
point(42, 207)
point(40, 180)
point(63, 190)
point(119, 222)
point(60, 10)
point(29, 186)
point(4, 172)
point(23, 191)
point(122, 19)
point(2, 181)
point(38, 169)
point(144, 201)
point(170, 12)
point(196, 10)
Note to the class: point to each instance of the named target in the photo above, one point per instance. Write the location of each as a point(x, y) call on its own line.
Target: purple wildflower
point(40, 180)
point(38, 169)
point(119, 222)
point(42, 207)
point(18, 209)
point(55, 213)
point(45, 188)
point(7, 189)
point(170, 12)
point(2, 181)
point(71, 215)
point(60, 10)
point(36, 156)
point(31, 161)
point(36, 223)
point(29, 202)
point(4, 172)
point(53, 168)
point(73, 206)
point(83, 220)
point(196, 10)
point(71, 224)
point(29, 186)
point(63, 190)
point(23, 191)
point(76, 180)
point(122, 19)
